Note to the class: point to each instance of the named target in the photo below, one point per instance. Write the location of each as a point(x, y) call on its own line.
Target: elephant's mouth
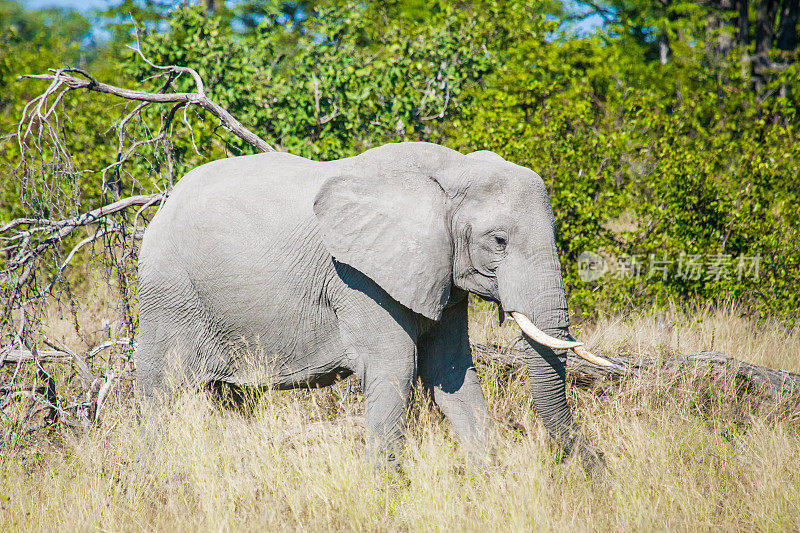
point(530, 329)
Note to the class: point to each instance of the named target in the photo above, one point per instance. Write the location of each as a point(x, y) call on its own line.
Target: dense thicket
point(667, 137)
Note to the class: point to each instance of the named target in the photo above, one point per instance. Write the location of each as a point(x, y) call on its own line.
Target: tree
point(723, 24)
point(787, 30)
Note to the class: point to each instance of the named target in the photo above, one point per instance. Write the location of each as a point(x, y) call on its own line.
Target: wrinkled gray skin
point(276, 268)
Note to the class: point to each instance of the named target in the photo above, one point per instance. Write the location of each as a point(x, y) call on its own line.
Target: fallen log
point(26, 356)
point(772, 383)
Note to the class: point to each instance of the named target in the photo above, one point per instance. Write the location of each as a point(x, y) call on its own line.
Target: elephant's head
point(419, 218)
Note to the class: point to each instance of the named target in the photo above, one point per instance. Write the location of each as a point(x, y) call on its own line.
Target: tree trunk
point(786, 38)
point(743, 22)
point(766, 12)
point(765, 25)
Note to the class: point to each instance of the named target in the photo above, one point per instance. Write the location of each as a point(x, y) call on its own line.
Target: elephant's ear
point(392, 229)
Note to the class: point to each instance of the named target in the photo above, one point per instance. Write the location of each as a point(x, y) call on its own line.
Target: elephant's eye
point(500, 242)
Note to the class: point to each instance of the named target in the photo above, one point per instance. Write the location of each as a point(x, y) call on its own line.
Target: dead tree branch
point(97, 388)
point(27, 245)
point(37, 248)
point(62, 78)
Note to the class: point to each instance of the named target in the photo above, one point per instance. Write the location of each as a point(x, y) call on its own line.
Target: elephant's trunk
point(538, 296)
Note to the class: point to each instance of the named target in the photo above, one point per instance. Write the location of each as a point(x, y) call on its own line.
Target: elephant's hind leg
point(178, 347)
point(188, 360)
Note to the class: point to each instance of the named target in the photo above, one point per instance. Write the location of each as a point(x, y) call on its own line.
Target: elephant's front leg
point(380, 338)
point(387, 388)
point(447, 370)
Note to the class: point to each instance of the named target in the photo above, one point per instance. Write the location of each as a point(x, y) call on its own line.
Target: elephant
point(276, 270)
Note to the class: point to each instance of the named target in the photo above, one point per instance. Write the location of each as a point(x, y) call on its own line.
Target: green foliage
point(30, 43)
point(650, 160)
point(348, 81)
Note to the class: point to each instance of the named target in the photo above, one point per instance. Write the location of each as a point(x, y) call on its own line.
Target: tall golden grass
point(680, 457)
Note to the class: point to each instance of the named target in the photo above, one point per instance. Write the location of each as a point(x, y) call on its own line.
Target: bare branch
point(10, 355)
point(19, 221)
point(60, 77)
point(48, 234)
point(55, 231)
point(84, 373)
point(38, 250)
point(42, 356)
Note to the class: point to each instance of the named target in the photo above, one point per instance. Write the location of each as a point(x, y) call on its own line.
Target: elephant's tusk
point(541, 337)
point(592, 358)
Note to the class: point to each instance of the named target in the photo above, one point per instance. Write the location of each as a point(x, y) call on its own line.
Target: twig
point(85, 375)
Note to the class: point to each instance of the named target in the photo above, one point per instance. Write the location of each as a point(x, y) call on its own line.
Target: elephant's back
point(262, 180)
point(261, 192)
point(231, 225)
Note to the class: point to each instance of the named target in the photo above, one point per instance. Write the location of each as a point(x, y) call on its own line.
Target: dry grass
point(672, 466)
